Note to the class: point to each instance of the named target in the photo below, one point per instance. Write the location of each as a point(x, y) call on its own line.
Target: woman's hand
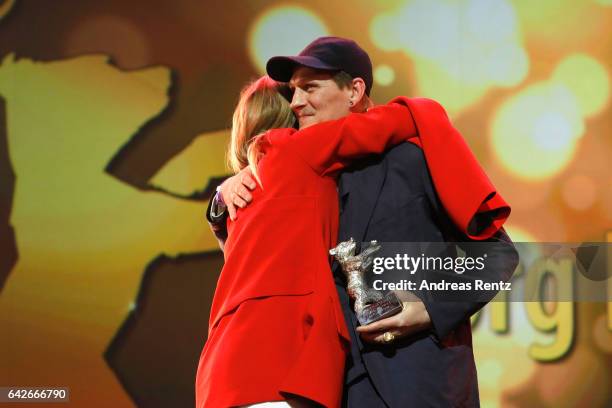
point(236, 191)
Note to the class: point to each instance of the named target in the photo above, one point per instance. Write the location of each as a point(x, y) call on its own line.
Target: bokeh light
point(458, 49)
point(282, 31)
point(588, 80)
point(507, 65)
point(560, 25)
point(535, 132)
point(502, 361)
point(604, 2)
point(491, 370)
point(451, 92)
point(579, 192)
point(384, 75)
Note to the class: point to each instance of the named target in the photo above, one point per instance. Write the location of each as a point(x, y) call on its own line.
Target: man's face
point(316, 97)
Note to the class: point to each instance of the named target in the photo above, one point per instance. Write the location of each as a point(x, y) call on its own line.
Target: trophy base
point(388, 306)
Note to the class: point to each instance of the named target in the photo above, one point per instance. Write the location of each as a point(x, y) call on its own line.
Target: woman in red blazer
point(276, 330)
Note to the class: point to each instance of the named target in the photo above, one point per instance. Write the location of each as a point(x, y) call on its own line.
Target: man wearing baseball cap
point(330, 78)
point(423, 355)
point(330, 54)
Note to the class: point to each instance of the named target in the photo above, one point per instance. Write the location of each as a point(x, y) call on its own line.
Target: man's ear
point(357, 95)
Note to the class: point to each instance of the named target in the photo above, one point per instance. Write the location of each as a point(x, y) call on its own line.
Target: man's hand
point(412, 319)
point(236, 191)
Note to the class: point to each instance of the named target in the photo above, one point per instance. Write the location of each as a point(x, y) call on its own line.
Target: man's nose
point(298, 101)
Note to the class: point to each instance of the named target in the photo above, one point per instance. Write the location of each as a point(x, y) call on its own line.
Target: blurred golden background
point(114, 117)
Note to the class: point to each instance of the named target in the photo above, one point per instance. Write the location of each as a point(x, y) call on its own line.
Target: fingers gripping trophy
point(370, 305)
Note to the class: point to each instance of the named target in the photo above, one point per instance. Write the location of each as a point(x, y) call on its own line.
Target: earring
point(350, 103)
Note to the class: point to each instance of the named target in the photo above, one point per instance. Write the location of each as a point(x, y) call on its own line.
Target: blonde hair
point(261, 107)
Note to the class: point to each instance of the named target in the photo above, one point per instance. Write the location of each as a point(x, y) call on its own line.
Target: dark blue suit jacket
point(391, 198)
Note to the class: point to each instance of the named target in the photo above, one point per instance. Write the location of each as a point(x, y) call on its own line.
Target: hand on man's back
point(236, 191)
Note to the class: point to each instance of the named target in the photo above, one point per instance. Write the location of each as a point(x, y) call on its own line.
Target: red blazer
point(278, 247)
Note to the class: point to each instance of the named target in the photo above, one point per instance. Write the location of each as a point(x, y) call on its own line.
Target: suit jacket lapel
point(358, 197)
point(358, 192)
point(344, 188)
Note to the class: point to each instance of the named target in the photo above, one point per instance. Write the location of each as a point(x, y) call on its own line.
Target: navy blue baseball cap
point(326, 53)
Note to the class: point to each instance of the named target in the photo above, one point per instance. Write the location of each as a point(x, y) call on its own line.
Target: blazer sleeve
point(502, 259)
point(448, 311)
point(331, 146)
